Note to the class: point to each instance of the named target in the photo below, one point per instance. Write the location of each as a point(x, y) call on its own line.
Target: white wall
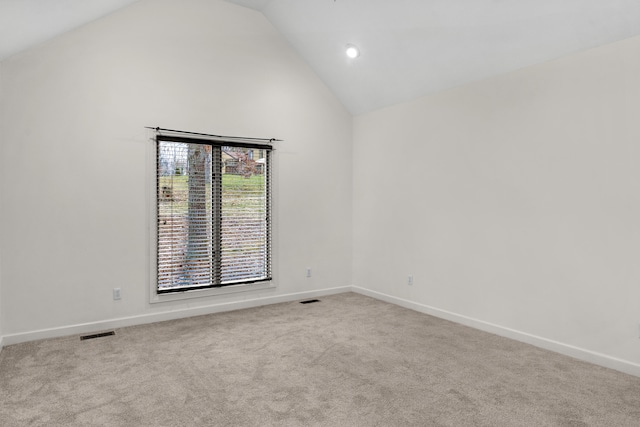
point(1, 331)
point(2, 139)
point(75, 167)
point(514, 202)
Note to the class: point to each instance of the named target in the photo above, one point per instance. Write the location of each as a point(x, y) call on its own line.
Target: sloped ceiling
point(409, 48)
point(25, 23)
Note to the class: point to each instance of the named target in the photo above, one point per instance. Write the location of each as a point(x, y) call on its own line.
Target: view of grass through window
point(213, 219)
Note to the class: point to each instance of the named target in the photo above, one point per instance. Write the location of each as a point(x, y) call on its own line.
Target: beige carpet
point(347, 360)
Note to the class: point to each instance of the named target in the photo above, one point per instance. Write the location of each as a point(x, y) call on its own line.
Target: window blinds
point(213, 212)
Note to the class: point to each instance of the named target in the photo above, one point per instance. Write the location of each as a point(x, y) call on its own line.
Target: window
point(213, 214)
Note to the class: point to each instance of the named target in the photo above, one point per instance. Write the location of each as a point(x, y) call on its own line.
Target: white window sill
point(209, 292)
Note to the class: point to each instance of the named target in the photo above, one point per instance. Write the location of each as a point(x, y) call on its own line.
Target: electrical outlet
point(308, 272)
point(410, 280)
point(117, 294)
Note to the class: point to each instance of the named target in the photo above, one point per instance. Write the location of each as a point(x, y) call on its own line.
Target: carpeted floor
point(347, 360)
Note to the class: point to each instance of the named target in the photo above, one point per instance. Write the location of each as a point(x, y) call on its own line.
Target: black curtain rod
point(157, 129)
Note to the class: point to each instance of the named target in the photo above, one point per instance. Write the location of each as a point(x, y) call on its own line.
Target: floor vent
point(92, 336)
point(309, 301)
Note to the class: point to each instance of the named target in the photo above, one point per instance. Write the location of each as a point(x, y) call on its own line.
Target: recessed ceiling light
point(352, 51)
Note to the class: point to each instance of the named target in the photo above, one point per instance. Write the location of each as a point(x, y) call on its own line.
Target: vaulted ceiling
point(25, 23)
point(409, 48)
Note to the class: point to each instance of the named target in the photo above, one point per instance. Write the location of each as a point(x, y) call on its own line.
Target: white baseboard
point(555, 346)
point(558, 347)
point(162, 316)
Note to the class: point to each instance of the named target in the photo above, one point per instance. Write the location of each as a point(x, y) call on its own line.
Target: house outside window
point(213, 214)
